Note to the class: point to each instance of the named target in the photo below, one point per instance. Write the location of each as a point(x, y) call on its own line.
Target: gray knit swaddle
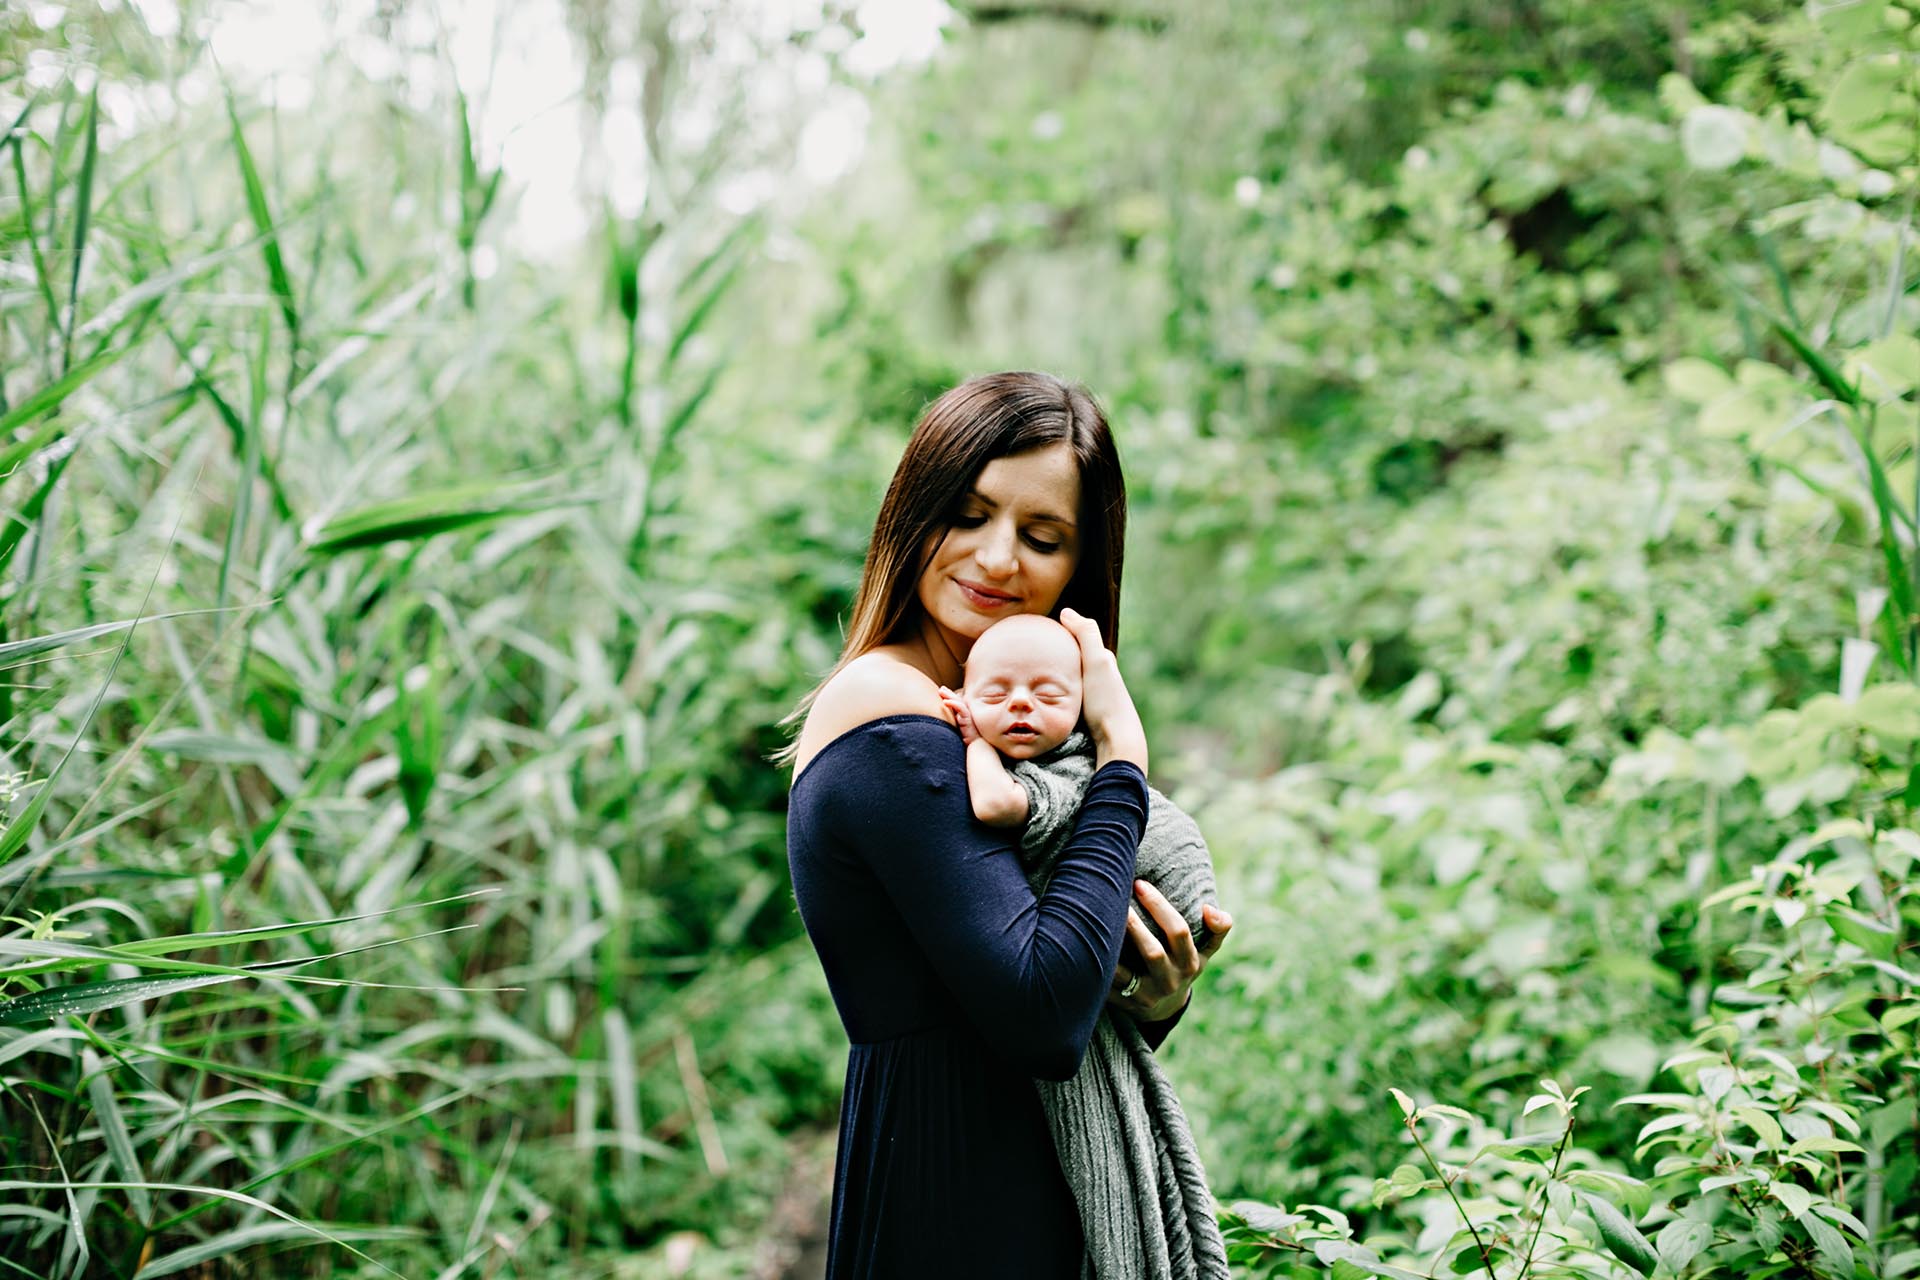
point(1123, 1140)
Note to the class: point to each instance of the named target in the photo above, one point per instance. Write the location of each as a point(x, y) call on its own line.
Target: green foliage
point(1519, 407)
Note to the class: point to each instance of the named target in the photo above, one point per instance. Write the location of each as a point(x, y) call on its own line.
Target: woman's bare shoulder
point(873, 685)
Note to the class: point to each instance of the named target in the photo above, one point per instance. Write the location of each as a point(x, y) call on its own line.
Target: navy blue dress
point(957, 987)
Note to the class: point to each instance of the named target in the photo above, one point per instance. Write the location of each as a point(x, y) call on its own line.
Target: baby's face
point(1023, 688)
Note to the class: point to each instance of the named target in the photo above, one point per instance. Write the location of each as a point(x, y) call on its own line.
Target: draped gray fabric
point(1124, 1144)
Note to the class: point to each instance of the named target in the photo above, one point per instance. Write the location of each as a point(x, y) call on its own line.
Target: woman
point(955, 984)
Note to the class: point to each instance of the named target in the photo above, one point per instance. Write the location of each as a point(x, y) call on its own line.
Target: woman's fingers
point(1153, 956)
point(1167, 969)
point(1104, 700)
point(1084, 629)
point(1217, 923)
point(1179, 947)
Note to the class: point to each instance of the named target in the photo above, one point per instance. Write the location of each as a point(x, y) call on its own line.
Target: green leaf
point(1697, 381)
point(1634, 1194)
point(1681, 1241)
point(697, 315)
point(1769, 1229)
point(1835, 1255)
point(1823, 1144)
point(195, 1257)
point(1866, 110)
point(47, 399)
point(1560, 1199)
point(1889, 710)
point(1868, 934)
point(19, 828)
point(1265, 1217)
point(1888, 368)
point(1761, 1123)
point(113, 1128)
point(91, 997)
point(1621, 1237)
point(1797, 1199)
point(263, 223)
point(220, 748)
point(1524, 1142)
point(1823, 371)
point(82, 218)
point(424, 515)
point(318, 1232)
point(15, 651)
point(229, 937)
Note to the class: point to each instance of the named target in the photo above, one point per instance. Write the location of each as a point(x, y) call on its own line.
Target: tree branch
point(985, 14)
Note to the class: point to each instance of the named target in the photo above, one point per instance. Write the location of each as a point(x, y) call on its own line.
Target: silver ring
point(1133, 985)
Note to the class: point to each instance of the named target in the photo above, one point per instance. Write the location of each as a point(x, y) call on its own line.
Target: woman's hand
point(1104, 700)
point(1168, 971)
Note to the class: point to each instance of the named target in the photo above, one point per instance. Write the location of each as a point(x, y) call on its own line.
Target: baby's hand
point(957, 708)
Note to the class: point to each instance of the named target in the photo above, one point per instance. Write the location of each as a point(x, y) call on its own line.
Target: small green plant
point(1479, 1202)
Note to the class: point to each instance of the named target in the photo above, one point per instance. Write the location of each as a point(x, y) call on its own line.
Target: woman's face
point(1012, 547)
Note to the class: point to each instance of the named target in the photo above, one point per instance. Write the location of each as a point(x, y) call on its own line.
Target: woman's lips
point(984, 597)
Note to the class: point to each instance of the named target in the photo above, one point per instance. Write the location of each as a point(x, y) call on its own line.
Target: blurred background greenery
point(481, 409)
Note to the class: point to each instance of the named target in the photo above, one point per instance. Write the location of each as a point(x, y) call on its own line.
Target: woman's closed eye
point(1044, 546)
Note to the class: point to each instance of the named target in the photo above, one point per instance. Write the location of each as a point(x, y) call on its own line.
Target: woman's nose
point(995, 555)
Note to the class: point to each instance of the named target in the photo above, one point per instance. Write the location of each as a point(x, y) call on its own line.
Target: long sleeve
point(1030, 974)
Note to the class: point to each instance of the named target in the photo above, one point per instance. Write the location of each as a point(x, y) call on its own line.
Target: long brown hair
point(991, 416)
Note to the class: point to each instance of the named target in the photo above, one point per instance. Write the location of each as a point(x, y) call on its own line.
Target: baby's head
point(1023, 685)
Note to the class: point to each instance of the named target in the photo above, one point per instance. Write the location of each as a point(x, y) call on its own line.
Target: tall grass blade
point(12, 456)
point(263, 223)
point(237, 1197)
point(154, 288)
point(1829, 377)
point(111, 993)
point(81, 998)
point(82, 216)
point(195, 941)
point(424, 515)
point(50, 396)
point(15, 650)
point(195, 1257)
point(42, 276)
point(697, 315)
point(354, 1138)
point(113, 1128)
point(718, 253)
point(238, 430)
point(20, 829)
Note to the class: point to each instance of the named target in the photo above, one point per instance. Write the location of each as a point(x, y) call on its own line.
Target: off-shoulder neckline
point(866, 724)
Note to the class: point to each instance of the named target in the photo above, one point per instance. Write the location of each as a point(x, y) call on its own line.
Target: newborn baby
point(1117, 1126)
point(1022, 699)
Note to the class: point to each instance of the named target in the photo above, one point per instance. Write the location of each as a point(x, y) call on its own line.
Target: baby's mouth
point(1021, 729)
